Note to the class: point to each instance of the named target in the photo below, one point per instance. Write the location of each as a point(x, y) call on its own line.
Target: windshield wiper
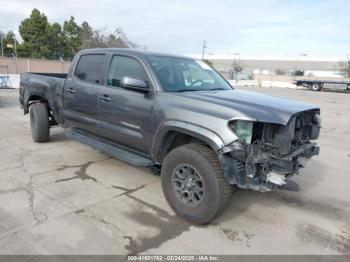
point(219, 88)
point(187, 90)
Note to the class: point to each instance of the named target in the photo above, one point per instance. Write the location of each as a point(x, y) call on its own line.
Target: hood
point(251, 105)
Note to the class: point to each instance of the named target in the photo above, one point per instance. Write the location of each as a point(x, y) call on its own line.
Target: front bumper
point(248, 166)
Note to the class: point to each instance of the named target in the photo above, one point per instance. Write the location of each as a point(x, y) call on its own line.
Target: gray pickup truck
point(179, 117)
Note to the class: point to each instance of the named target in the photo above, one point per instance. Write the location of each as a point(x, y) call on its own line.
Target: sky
point(248, 27)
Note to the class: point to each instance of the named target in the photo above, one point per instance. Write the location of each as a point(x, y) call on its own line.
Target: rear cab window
point(90, 68)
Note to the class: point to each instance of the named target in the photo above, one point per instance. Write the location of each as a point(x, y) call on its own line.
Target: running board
point(109, 148)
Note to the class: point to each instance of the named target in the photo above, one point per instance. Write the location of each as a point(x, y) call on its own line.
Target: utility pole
point(203, 48)
point(296, 64)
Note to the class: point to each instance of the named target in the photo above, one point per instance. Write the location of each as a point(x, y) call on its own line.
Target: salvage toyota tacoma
point(179, 117)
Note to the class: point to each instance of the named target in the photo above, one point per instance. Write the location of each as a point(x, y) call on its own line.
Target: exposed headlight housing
point(243, 129)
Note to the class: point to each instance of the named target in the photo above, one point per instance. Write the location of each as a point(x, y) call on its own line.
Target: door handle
point(105, 98)
point(71, 90)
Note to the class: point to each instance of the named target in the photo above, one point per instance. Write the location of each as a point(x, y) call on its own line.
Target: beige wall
point(283, 78)
point(8, 65)
point(272, 65)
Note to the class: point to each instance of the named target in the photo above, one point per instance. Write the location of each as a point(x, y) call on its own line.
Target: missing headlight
point(244, 130)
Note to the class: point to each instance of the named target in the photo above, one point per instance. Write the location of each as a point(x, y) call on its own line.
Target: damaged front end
point(266, 154)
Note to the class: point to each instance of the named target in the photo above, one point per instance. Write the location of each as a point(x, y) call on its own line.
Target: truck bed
point(57, 75)
point(46, 86)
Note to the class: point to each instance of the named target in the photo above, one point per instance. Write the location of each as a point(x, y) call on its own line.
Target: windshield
point(184, 74)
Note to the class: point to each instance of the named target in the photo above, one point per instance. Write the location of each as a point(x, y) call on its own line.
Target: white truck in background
point(317, 84)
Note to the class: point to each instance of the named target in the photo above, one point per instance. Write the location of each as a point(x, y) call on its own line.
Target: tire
point(216, 191)
point(316, 87)
point(39, 122)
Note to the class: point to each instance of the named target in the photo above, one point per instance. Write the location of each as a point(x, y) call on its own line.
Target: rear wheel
point(316, 87)
point(194, 184)
point(39, 122)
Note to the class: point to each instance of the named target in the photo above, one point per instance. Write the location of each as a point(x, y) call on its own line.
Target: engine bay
point(266, 154)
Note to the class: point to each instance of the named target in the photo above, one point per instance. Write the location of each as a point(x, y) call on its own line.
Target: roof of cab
point(136, 52)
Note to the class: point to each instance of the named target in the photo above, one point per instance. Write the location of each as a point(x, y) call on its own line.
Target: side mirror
point(134, 84)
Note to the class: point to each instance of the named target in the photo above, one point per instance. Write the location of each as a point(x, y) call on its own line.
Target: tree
point(237, 67)
point(8, 41)
point(119, 39)
point(345, 68)
point(33, 32)
point(55, 42)
point(280, 72)
point(73, 37)
point(87, 36)
point(101, 38)
point(52, 41)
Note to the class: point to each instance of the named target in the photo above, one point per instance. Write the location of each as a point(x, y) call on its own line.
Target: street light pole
point(15, 45)
point(2, 46)
point(15, 53)
point(15, 58)
point(62, 61)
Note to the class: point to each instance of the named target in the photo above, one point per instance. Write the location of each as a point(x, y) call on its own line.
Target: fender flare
point(206, 135)
point(29, 97)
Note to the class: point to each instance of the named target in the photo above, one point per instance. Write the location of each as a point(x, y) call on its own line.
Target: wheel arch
point(35, 98)
point(176, 133)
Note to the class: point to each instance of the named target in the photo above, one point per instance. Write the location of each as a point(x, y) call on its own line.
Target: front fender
point(201, 133)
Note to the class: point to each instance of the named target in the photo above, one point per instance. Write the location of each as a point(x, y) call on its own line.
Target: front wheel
point(194, 184)
point(39, 122)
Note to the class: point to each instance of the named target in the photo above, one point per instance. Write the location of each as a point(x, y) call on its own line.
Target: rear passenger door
point(81, 91)
point(125, 115)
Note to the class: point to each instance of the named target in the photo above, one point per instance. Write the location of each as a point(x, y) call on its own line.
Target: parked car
point(178, 116)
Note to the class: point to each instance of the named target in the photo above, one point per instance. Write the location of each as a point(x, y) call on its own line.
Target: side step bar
point(109, 148)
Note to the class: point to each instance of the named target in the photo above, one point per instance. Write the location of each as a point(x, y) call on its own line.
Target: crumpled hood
point(253, 105)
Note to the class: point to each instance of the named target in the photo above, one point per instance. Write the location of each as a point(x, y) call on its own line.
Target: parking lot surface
point(63, 197)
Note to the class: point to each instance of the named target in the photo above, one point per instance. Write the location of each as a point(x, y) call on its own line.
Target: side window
point(89, 68)
point(125, 66)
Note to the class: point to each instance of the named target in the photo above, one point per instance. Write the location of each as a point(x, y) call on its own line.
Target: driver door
point(124, 114)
